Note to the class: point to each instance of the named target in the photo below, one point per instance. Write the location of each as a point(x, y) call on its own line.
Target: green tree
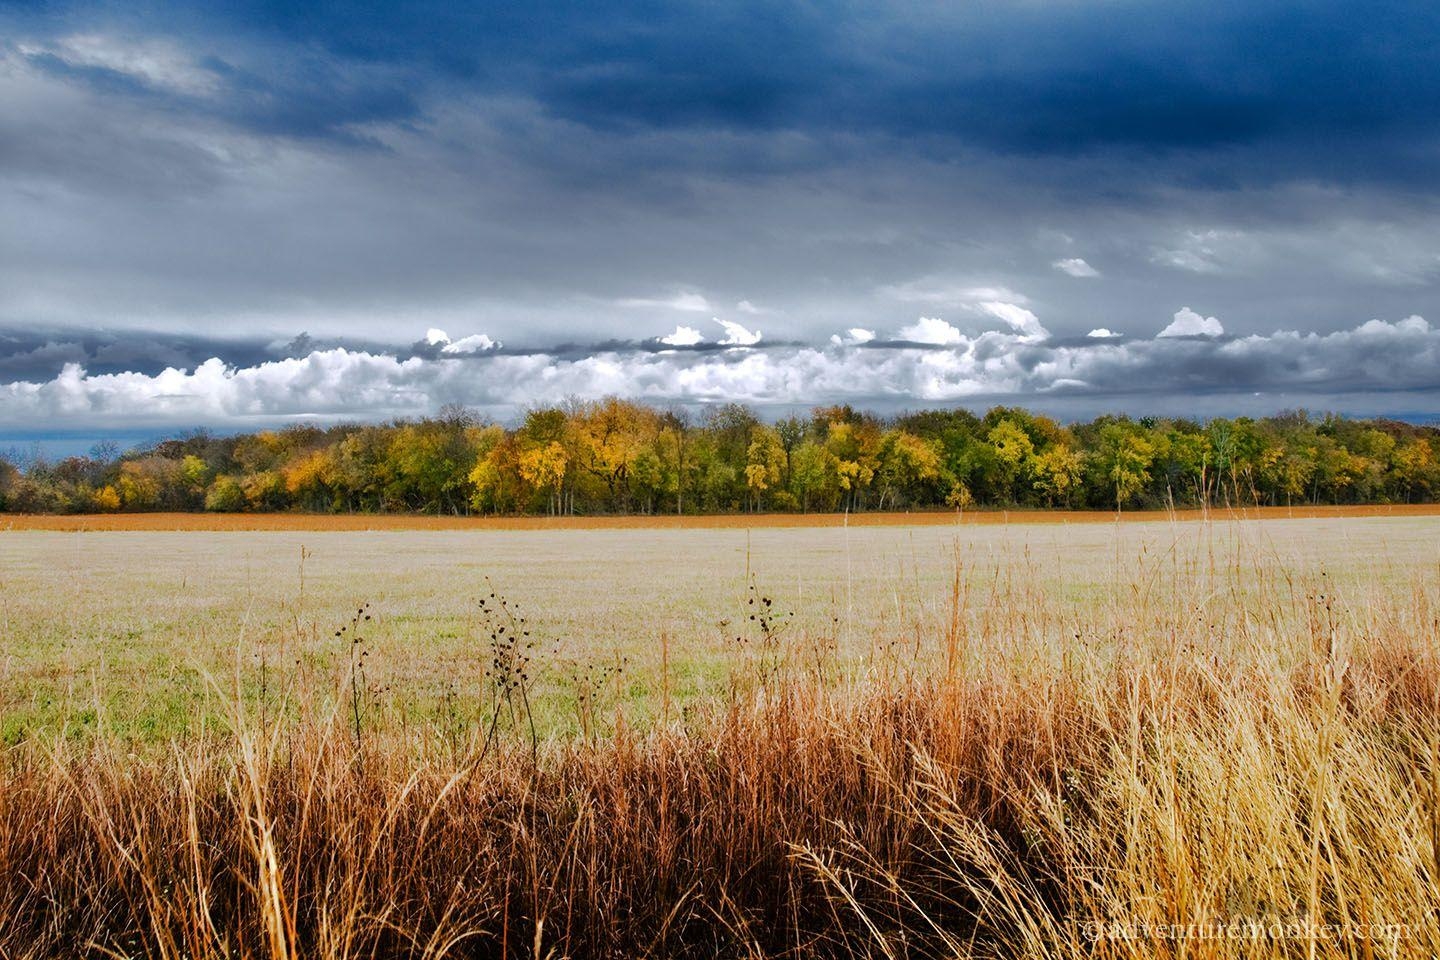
point(225, 495)
point(195, 476)
point(652, 476)
point(1123, 457)
point(429, 464)
point(809, 468)
point(1285, 470)
point(1185, 464)
point(674, 445)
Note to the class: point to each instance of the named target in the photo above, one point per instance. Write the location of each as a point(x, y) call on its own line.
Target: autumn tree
point(544, 468)
point(495, 480)
point(106, 500)
point(1013, 452)
point(1413, 465)
point(910, 469)
point(1122, 457)
point(264, 491)
point(1056, 474)
point(853, 448)
point(612, 433)
point(143, 483)
point(764, 464)
point(311, 479)
point(1285, 468)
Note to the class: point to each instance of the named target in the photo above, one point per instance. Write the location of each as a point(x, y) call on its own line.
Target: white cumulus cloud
point(1022, 321)
point(853, 337)
point(736, 335)
point(1411, 324)
point(683, 337)
point(932, 330)
point(1188, 323)
point(475, 343)
point(1102, 333)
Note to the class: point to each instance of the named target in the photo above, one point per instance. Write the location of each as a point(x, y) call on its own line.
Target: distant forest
point(616, 457)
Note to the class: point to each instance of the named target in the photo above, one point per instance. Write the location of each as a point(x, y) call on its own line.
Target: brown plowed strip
point(322, 522)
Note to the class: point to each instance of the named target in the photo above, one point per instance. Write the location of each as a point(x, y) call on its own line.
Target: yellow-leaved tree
point(543, 468)
point(764, 464)
point(1057, 473)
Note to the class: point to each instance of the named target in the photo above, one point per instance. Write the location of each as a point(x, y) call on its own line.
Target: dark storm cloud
point(1033, 78)
point(1027, 77)
point(38, 355)
point(1040, 76)
point(41, 355)
point(562, 185)
point(301, 96)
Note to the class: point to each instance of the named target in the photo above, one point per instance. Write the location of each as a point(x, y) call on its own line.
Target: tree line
point(613, 456)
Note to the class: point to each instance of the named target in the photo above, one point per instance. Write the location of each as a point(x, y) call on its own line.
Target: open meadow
point(146, 630)
point(1057, 739)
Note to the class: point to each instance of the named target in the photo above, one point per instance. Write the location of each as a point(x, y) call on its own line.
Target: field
point(143, 629)
point(932, 739)
point(731, 521)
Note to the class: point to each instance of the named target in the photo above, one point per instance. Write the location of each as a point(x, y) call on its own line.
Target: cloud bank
point(930, 363)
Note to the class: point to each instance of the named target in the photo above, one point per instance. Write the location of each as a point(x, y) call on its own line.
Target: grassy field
point(1062, 740)
point(730, 521)
point(141, 630)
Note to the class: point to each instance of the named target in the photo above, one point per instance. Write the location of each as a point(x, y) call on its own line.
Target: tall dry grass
point(1214, 760)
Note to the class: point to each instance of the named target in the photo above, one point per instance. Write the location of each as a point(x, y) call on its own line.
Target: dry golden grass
point(1223, 728)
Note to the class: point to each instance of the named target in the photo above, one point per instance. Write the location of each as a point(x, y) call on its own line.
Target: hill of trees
point(613, 456)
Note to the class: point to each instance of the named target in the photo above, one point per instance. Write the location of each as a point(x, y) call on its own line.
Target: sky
point(236, 214)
